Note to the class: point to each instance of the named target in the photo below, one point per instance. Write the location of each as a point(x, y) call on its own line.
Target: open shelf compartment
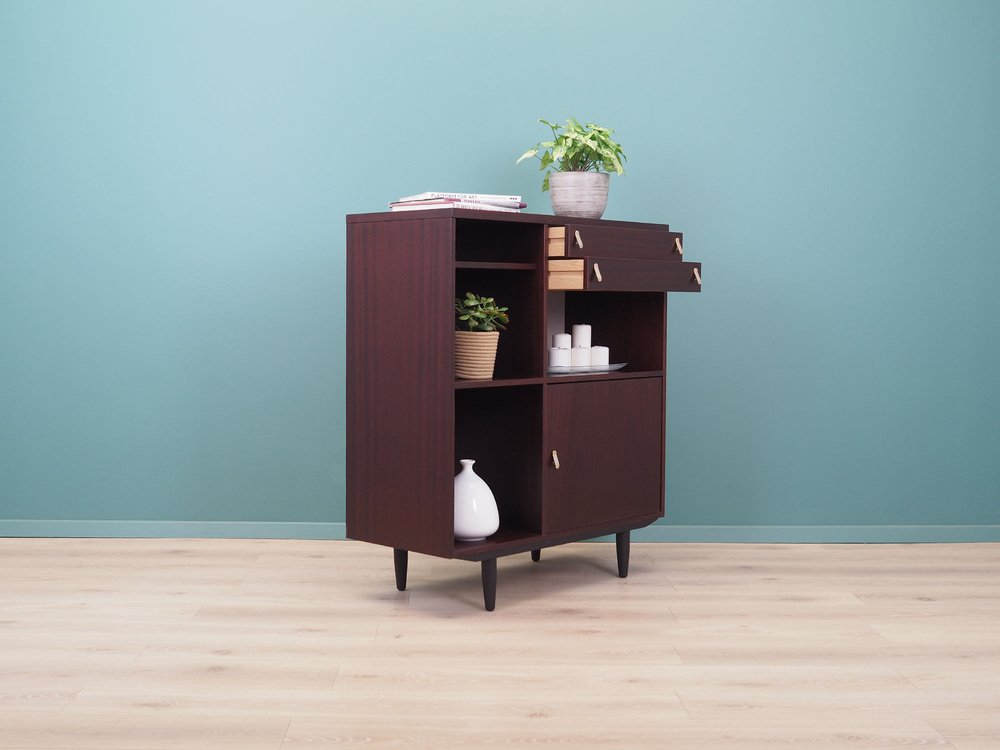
point(497, 241)
point(518, 353)
point(501, 429)
point(632, 325)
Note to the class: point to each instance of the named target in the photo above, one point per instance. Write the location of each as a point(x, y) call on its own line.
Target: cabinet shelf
point(504, 539)
point(496, 265)
point(556, 379)
point(497, 383)
point(511, 541)
point(617, 375)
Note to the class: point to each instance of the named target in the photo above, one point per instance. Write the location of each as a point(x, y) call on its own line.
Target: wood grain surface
point(198, 644)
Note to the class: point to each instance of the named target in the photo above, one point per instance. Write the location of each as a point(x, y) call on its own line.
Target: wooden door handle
point(555, 458)
point(678, 246)
point(579, 239)
point(597, 272)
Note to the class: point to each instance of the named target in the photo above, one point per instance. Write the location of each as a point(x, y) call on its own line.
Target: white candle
point(559, 357)
point(600, 355)
point(581, 356)
point(581, 336)
point(562, 341)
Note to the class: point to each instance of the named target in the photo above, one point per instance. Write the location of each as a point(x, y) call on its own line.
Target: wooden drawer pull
point(555, 459)
point(678, 246)
point(579, 239)
point(597, 272)
point(697, 275)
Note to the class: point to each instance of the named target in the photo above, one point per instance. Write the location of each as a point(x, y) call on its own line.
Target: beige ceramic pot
point(582, 194)
point(475, 354)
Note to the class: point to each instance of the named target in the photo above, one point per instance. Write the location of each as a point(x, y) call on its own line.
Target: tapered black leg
point(622, 547)
point(399, 557)
point(490, 584)
point(536, 555)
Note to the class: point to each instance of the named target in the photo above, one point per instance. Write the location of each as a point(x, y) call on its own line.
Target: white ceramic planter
point(582, 194)
point(476, 514)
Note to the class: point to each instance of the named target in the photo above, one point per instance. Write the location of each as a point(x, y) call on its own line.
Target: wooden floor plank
point(280, 644)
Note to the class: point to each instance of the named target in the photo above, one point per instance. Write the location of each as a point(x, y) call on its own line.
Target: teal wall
point(173, 182)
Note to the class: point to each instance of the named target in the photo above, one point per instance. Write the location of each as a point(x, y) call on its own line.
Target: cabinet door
point(608, 436)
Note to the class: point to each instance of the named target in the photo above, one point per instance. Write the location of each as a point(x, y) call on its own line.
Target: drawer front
point(624, 275)
point(616, 242)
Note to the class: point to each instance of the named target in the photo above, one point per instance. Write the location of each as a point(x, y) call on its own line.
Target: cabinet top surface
point(466, 213)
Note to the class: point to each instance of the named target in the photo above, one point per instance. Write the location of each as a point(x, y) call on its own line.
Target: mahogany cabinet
point(568, 457)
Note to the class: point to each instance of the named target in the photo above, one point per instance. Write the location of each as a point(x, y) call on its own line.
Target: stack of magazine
point(475, 201)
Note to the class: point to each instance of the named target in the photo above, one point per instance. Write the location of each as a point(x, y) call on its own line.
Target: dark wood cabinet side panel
point(400, 375)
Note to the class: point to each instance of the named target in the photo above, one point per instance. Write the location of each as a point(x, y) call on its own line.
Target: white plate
point(583, 369)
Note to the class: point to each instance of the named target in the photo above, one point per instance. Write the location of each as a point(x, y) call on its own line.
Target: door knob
point(597, 272)
point(579, 239)
point(555, 458)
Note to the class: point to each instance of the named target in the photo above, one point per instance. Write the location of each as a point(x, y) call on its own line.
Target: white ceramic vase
point(583, 194)
point(476, 514)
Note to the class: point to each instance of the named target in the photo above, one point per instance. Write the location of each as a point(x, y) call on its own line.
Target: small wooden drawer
point(566, 274)
point(587, 240)
point(623, 275)
point(555, 241)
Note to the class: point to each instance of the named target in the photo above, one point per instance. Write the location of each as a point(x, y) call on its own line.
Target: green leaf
point(480, 313)
point(577, 148)
point(527, 155)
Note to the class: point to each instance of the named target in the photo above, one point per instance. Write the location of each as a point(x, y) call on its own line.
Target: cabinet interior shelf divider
point(496, 265)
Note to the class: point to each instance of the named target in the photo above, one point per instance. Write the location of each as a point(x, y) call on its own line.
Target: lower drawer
point(624, 275)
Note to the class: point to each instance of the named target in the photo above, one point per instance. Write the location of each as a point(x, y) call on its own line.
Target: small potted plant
point(579, 161)
point(478, 324)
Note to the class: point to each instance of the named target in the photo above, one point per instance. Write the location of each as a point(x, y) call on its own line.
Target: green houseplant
point(478, 321)
point(579, 160)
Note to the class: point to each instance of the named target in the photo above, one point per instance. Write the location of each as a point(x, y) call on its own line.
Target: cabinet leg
point(536, 555)
point(399, 558)
point(622, 547)
point(490, 584)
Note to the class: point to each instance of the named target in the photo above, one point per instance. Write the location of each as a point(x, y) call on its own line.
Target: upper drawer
point(623, 275)
point(584, 240)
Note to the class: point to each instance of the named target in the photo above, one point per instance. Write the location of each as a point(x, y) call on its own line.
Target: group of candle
point(576, 351)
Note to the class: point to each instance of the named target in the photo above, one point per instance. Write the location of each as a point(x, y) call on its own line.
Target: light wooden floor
point(279, 645)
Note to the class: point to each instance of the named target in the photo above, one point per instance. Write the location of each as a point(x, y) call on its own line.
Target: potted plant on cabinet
point(479, 322)
point(581, 160)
